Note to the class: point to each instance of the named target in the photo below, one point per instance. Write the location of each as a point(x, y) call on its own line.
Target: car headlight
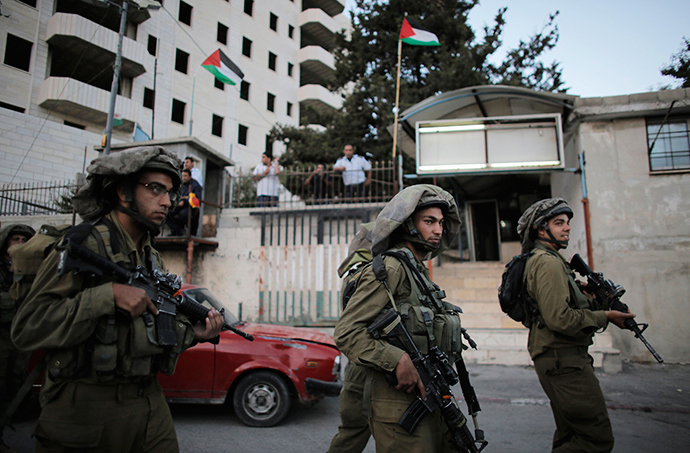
point(336, 365)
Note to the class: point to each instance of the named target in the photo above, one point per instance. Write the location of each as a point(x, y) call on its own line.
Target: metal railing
point(38, 198)
point(299, 187)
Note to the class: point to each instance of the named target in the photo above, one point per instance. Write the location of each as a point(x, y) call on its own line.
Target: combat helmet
point(16, 228)
point(537, 216)
point(99, 195)
point(395, 220)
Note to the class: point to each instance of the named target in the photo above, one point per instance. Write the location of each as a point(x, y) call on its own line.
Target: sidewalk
point(649, 407)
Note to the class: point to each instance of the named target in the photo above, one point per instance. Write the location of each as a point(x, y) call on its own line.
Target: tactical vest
point(429, 320)
point(119, 348)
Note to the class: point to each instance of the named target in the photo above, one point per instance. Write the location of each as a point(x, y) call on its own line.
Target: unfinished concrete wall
point(641, 235)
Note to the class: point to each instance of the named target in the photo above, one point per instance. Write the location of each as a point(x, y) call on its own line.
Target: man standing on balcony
point(267, 182)
point(189, 204)
point(196, 173)
point(353, 167)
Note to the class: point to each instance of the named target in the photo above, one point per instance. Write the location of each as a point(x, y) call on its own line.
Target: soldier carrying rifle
point(562, 326)
point(417, 224)
point(102, 357)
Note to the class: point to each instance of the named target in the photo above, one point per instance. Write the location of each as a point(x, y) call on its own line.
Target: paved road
point(649, 407)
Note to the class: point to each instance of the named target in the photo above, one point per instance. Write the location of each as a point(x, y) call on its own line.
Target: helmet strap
point(558, 243)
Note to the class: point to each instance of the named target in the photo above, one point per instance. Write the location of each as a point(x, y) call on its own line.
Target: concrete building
point(636, 155)
point(57, 73)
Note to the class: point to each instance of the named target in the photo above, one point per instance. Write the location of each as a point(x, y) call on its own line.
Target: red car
point(261, 377)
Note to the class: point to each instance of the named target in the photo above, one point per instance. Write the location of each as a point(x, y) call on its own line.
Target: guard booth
point(497, 147)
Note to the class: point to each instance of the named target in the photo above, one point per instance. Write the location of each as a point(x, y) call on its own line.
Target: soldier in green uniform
point(12, 362)
point(420, 222)
point(560, 335)
point(101, 393)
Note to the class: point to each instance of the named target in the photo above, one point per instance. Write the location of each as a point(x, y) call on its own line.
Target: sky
point(606, 47)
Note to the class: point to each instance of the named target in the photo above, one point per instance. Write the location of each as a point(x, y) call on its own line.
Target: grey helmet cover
point(103, 172)
point(15, 228)
point(403, 206)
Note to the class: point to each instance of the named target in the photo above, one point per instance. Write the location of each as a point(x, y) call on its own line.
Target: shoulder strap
point(418, 276)
point(381, 274)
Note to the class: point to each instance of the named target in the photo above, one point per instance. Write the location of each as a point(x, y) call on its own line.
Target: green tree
point(367, 59)
point(679, 67)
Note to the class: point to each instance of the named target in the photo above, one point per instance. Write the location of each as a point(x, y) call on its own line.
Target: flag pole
point(397, 100)
point(191, 110)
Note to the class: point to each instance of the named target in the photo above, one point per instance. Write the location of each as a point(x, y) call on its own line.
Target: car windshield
point(208, 300)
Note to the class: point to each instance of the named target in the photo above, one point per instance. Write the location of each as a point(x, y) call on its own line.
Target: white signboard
point(489, 145)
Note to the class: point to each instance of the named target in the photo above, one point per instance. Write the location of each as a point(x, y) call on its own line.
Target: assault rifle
point(162, 288)
point(608, 295)
point(437, 375)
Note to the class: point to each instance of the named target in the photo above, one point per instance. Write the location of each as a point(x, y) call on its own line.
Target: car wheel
point(261, 399)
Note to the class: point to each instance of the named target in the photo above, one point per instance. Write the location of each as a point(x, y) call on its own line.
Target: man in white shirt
point(353, 167)
point(196, 173)
point(266, 177)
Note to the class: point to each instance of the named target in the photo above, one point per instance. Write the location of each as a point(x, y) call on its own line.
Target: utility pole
point(116, 78)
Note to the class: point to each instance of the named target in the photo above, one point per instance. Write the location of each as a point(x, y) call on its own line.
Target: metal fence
point(303, 186)
point(39, 198)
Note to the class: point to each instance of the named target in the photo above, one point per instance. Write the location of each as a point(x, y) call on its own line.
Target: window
point(669, 144)
point(153, 45)
point(248, 7)
point(269, 145)
point(290, 67)
point(271, 102)
point(29, 2)
point(181, 61)
point(217, 126)
point(185, 13)
point(222, 33)
point(74, 125)
point(273, 22)
point(246, 47)
point(18, 52)
point(242, 134)
point(178, 111)
point(291, 31)
point(149, 98)
point(14, 108)
point(218, 84)
point(244, 90)
point(289, 109)
point(272, 61)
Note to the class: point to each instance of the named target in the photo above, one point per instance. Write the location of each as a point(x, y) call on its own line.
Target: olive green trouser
point(577, 403)
point(107, 418)
point(353, 432)
point(13, 364)
point(387, 405)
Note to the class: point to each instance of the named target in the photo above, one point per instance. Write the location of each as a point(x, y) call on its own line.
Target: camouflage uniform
point(558, 343)
point(384, 404)
point(101, 392)
point(13, 362)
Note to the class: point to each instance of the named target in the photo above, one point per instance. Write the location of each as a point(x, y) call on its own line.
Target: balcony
point(317, 65)
point(317, 28)
point(332, 7)
point(71, 97)
point(319, 98)
point(97, 44)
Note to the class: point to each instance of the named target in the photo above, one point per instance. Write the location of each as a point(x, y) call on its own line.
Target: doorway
point(485, 238)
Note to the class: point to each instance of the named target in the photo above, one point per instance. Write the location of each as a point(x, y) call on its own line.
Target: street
point(649, 407)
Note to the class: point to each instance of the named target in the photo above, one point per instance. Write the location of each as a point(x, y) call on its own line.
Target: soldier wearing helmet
point(420, 222)
point(12, 362)
point(561, 334)
point(101, 392)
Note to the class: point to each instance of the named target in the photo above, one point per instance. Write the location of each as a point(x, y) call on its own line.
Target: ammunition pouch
point(7, 307)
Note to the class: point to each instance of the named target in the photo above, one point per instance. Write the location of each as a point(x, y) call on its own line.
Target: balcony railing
point(41, 198)
point(305, 187)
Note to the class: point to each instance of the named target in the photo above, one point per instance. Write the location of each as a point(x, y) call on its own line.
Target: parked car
point(261, 378)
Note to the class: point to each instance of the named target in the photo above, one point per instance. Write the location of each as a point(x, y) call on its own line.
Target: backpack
point(512, 294)
point(28, 257)
point(353, 272)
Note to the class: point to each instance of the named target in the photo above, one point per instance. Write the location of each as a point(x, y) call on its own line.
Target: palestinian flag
point(223, 68)
point(193, 200)
point(415, 35)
